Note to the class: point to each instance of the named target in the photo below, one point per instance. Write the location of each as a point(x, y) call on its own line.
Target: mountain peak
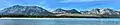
point(28, 10)
point(61, 11)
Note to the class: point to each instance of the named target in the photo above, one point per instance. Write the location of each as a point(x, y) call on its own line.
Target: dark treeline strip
point(34, 16)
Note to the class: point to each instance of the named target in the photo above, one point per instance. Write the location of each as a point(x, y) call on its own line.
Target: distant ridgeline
point(18, 10)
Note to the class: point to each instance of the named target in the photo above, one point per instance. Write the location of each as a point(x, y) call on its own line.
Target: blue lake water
point(70, 21)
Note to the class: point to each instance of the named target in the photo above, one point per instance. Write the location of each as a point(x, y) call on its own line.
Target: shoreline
point(61, 16)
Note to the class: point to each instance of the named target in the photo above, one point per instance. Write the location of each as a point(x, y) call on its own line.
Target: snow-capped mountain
point(106, 11)
point(85, 12)
point(95, 11)
point(35, 10)
point(26, 10)
point(61, 11)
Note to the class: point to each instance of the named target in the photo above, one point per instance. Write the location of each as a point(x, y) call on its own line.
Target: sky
point(50, 5)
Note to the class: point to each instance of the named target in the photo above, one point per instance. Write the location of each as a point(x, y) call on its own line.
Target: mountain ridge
point(26, 10)
point(36, 10)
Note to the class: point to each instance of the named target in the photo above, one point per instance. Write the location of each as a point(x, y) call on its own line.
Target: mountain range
point(36, 10)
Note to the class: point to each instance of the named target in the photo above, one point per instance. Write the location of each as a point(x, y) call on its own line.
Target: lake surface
point(62, 21)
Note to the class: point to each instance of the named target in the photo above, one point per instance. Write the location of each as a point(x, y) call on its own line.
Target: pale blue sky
point(65, 4)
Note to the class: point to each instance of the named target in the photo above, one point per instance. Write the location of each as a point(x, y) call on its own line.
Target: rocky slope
point(25, 10)
point(105, 11)
point(61, 11)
